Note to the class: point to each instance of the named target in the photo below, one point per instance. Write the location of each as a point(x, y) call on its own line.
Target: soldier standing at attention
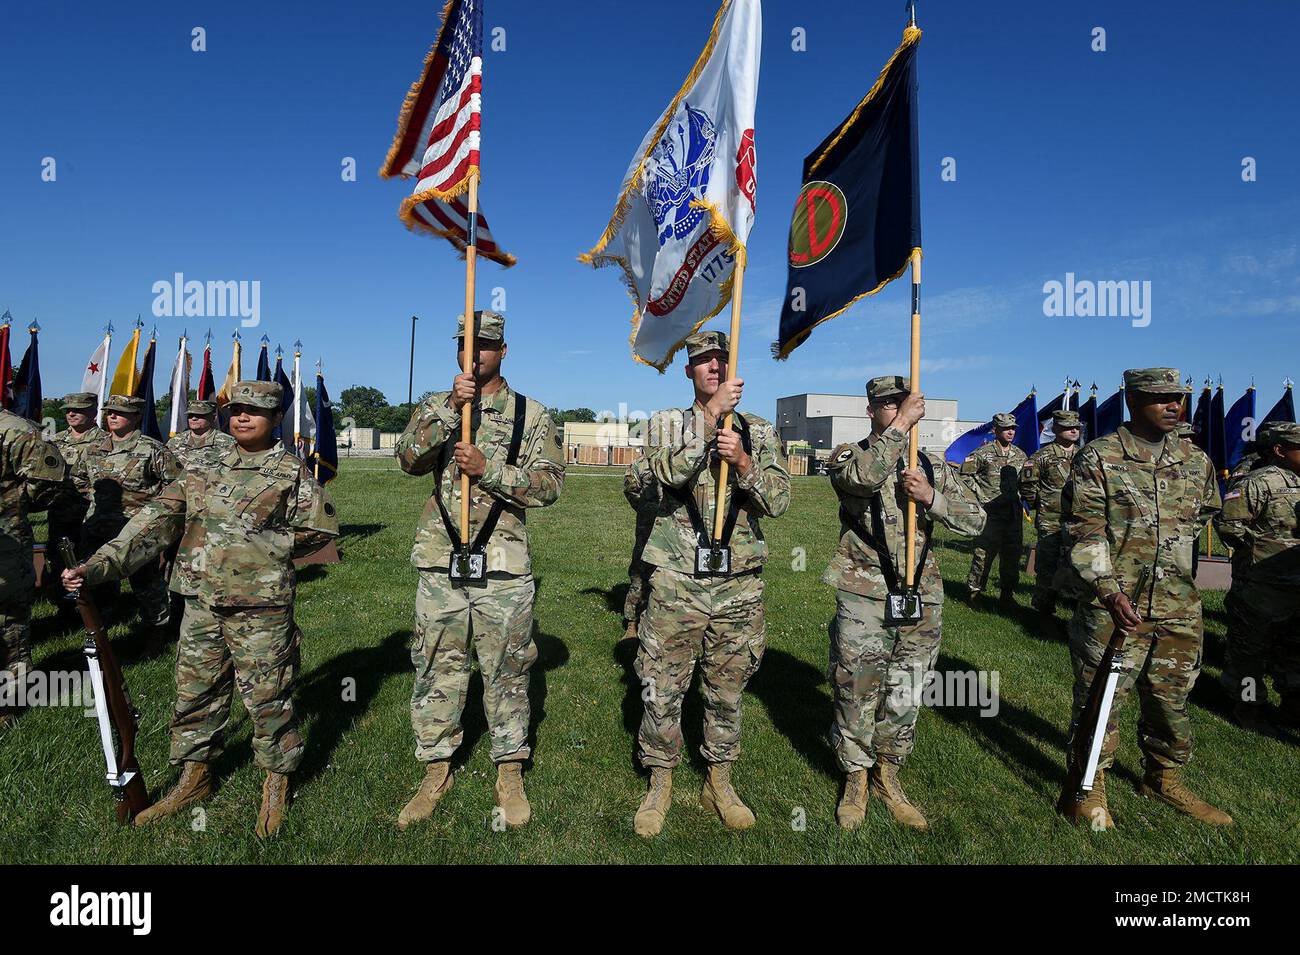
point(641, 489)
point(1136, 501)
point(993, 472)
point(878, 666)
point(1260, 521)
point(239, 523)
point(481, 600)
point(67, 513)
point(204, 443)
point(706, 613)
point(1041, 483)
point(32, 476)
point(124, 470)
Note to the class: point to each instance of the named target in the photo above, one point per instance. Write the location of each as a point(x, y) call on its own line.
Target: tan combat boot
point(1093, 811)
point(853, 804)
point(438, 778)
point(194, 785)
point(719, 796)
point(885, 784)
point(1164, 784)
point(276, 796)
point(654, 807)
point(510, 794)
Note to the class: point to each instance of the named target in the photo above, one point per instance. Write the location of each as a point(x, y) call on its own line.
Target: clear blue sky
point(1123, 165)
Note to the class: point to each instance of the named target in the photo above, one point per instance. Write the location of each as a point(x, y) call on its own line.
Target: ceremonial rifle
point(1090, 734)
point(116, 714)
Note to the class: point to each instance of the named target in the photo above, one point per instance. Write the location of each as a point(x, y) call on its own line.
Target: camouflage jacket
point(32, 477)
point(1260, 521)
point(536, 480)
point(74, 446)
point(994, 477)
point(200, 452)
point(642, 491)
point(1132, 521)
point(858, 474)
point(1247, 464)
point(122, 476)
point(683, 463)
point(1042, 480)
point(240, 524)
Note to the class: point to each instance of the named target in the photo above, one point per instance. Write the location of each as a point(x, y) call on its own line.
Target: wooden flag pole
point(467, 363)
point(733, 358)
point(914, 437)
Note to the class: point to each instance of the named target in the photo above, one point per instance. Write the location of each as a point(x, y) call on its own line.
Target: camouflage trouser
point(1263, 629)
point(1047, 558)
point(149, 587)
point(497, 618)
point(877, 674)
point(715, 623)
point(254, 648)
point(15, 634)
point(1003, 536)
point(1163, 658)
point(638, 591)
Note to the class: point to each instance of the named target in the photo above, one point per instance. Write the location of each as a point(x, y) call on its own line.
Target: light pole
point(410, 381)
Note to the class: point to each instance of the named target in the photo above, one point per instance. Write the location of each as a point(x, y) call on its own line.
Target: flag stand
point(733, 359)
point(914, 436)
point(470, 345)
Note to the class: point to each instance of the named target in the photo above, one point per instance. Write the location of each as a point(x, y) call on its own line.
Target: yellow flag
point(126, 376)
point(232, 376)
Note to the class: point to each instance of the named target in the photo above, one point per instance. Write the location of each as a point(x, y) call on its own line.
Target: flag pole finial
point(911, 13)
point(34, 327)
point(266, 339)
point(279, 352)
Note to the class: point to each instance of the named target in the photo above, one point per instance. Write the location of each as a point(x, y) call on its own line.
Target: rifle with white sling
point(117, 716)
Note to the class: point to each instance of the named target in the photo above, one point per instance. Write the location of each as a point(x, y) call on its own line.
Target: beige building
point(825, 421)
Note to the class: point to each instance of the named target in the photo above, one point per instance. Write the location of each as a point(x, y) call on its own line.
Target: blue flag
point(1284, 410)
point(324, 458)
point(1027, 424)
point(263, 363)
point(960, 449)
point(857, 220)
point(1218, 443)
point(1088, 417)
point(1201, 427)
point(27, 382)
point(144, 389)
point(1110, 415)
point(286, 400)
point(1239, 427)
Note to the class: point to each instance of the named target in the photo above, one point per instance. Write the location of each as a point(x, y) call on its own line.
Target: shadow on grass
point(799, 705)
point(615, 597)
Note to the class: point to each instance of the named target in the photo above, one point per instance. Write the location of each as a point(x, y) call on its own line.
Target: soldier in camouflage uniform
point(491, 618)
point(67, 513)
point(1135, 503)
point(124, 471)
point(877, 669)
point(992, 471)
point(713, 622)
point(204, 443)
point(1260, 521)
point(240, 523)
point(32, 477)
point(1041, 483)
point(641, 489)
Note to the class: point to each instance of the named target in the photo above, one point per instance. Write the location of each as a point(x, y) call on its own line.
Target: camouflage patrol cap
point(1277, 432)
point(487, 325)
point(80, 401)
point(257, 394)
point(126, 404)
point(1066, 420)
point(701, 343)
point(1004, 419)
point(1155, 381)
point(886, 386)
point(201, 409)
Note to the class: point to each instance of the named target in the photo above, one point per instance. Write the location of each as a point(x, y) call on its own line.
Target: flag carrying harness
point(469, 561)
point(904, 603)
point(713, 558)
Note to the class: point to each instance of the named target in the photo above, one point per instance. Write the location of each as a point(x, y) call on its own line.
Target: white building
point(825, 421)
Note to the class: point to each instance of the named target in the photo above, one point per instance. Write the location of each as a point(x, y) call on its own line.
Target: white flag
point(92, 379)
point(302, 435)
point(180, 392)
point(687, 200)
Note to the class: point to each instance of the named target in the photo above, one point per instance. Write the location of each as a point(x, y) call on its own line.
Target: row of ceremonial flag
point(1223, 433)
point(304, 430)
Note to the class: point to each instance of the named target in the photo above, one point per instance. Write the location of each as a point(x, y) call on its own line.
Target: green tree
point(363, 404)
point(577, 415)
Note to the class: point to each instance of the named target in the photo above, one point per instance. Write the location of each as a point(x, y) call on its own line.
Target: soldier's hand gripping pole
point(914, 436)
point(113, 709)
point(733, 359)
point(471, 348)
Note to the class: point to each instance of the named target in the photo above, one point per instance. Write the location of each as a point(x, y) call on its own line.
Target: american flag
point(438, 134)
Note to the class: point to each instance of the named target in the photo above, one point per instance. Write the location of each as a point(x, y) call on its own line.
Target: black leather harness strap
point(875, 537)
point(702, 533)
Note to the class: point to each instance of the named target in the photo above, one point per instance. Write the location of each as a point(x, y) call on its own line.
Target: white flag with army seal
point(687, 200)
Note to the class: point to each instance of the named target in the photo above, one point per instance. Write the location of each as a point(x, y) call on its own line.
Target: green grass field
point(987, 784)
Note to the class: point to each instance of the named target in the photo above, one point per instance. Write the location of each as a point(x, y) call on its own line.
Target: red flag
point(207, 387)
